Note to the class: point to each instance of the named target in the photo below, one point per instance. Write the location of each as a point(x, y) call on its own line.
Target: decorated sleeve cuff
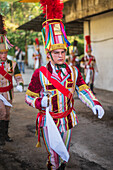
point(83, 87)
point(38, 103)
point(96, 102)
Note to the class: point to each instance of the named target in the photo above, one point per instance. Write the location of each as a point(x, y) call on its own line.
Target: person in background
point(74, 54)
point(20, 59)
point(88, 63)
point(8, 69)
point(51, 90)
point(37, 55)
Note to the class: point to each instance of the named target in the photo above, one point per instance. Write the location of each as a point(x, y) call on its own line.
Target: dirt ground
point(91, 145)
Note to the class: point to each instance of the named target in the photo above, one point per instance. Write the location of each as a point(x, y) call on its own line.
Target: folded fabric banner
point(88, 76)
point(55, 140)
point(5, 101)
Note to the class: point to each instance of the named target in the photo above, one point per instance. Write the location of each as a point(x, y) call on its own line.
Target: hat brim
point(58, 46)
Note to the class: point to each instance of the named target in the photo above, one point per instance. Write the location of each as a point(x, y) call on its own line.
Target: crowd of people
point(51, 89)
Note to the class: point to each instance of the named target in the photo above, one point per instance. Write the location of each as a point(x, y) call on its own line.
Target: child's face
point(3, 55)
point(58, 56)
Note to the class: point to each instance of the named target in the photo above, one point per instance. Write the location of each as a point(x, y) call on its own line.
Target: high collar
point(50, 69)
point(2, 61)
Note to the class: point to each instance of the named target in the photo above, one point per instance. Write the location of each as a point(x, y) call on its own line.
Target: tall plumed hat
point(36, 44)
point(88, 43)
point(53, 31)
point(4, 42)
point(37, 41)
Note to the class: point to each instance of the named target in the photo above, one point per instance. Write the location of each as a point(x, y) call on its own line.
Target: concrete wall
point(78, 9)
point(101, 31)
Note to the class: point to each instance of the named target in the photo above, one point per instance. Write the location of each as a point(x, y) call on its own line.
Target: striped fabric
point(59, 102)
point(87, 97)
point(52, 156)
point(54, 35)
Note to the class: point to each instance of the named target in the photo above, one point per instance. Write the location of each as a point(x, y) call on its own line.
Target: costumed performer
point(8, 69)
point(37, 55)
point(88, 62)
point(52, 88)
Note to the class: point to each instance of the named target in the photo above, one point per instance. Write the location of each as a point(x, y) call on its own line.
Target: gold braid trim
point(4, 50)
point(30, 93)
point(83, 87)
point(58, 46)
point(74, 81)
point(16, 75)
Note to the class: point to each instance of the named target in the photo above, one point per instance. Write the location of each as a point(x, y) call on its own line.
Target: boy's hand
point(97, 109)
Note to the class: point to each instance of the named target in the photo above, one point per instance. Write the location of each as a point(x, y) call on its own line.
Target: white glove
point(44, 101)
point(87, 66)
point(98, 109)
point(19, 88)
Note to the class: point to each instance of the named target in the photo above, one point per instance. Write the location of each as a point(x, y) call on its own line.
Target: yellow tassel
point(36, 133)
point(38, 144)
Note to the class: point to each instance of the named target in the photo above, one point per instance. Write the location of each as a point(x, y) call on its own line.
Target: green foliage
point(4, 8)
point(20, 38)
point(80, 44)
point(81, 36)
point(17, 14)
point(80, 47)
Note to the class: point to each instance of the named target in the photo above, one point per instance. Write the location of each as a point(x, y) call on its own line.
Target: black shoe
point(8, 139)
point(2, 132)
point(62, 167)
point(2, 142)
point(49, 166)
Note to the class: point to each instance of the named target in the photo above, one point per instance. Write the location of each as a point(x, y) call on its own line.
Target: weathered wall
point(101, 29)
point(77, 9)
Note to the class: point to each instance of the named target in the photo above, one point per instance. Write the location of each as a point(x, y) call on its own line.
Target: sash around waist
point(7, 88)
point(58, 115)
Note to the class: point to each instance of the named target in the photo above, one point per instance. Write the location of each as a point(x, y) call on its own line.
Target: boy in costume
point(8, 69)
point(51, 90)
point(88, 62)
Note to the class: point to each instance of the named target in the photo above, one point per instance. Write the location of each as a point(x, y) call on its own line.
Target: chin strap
point(51, 55)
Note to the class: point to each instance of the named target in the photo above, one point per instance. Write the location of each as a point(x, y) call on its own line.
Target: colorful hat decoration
point(88, 43)
point(53, 31)
point(36, 44)
point(37, 41)
point(4, 42)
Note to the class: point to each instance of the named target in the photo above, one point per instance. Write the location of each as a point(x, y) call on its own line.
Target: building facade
point(97, 18)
